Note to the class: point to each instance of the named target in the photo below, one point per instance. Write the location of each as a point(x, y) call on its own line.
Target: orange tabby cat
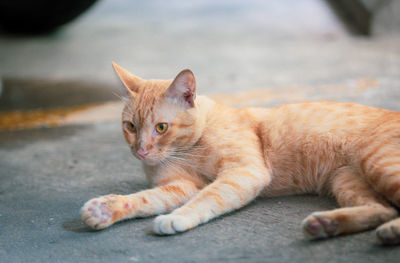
point(205, 159)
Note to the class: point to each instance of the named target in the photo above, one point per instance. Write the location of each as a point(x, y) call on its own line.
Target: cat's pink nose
point(142, 153)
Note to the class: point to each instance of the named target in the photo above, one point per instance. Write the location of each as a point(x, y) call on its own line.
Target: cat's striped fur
point(214, 159)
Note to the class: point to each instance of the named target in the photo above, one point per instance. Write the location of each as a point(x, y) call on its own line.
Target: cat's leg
point(101, 212)
point(363, 208)
point(383, 173)
point(381, 166)
point(232, 189)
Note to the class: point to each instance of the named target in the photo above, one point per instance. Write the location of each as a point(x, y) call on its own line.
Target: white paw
point(96, 213)
point(388, 234)
point(171, 224)
point(317, 226)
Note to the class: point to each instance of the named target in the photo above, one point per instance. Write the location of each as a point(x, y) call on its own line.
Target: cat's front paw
point(317, 226)
point(101, 212)
point(171, 224)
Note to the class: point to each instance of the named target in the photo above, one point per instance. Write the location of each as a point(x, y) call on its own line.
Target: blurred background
point(60, 53)
point(60, 135)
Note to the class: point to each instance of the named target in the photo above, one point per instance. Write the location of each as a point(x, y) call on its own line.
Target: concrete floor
point(291, 50)
point(47, 174)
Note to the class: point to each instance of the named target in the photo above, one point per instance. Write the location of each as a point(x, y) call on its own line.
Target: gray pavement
point(295, 50)
point(48, 174)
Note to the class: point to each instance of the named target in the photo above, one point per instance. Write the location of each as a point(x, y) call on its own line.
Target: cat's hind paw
point(316, 226)
point(97, 213)
point(389, 233)
point(171, 224)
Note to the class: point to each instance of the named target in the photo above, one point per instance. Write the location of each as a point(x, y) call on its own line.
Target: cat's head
point(158, 120)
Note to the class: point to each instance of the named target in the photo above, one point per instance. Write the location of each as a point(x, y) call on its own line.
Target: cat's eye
point(162, 127)
point(130, 126)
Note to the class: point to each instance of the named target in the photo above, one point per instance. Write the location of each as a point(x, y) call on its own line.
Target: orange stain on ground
point(89, 113)
point(16, 120)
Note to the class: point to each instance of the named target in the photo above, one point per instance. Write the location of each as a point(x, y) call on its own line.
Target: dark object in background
point(356, 13)
point(39, 16)
point(369, 17)
point(32, 94)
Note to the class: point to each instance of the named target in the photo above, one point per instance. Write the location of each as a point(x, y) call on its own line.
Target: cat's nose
point(142, 153)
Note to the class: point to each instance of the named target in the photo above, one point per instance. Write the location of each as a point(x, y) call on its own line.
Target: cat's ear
point(183, 88)
point(130, 81)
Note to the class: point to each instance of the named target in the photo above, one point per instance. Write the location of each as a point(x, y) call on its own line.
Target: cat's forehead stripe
point(148, 98)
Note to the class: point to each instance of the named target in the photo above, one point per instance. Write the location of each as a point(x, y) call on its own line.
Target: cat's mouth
point(144, 159)
point(148, 160)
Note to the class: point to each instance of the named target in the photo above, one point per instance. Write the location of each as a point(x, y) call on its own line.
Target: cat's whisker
point(129, 115)
point(181, 162)
point(176, 158)
point(190, 150)
point(131, 111)
point(169, 164)
point(188, 154)
point(118, 95)
point(126, 101)
point(193, 147)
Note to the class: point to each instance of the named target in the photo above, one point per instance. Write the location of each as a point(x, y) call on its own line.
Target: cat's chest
point(221, 150)
point(204, 165)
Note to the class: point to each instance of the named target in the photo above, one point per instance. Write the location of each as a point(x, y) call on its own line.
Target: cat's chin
point(150, 162)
